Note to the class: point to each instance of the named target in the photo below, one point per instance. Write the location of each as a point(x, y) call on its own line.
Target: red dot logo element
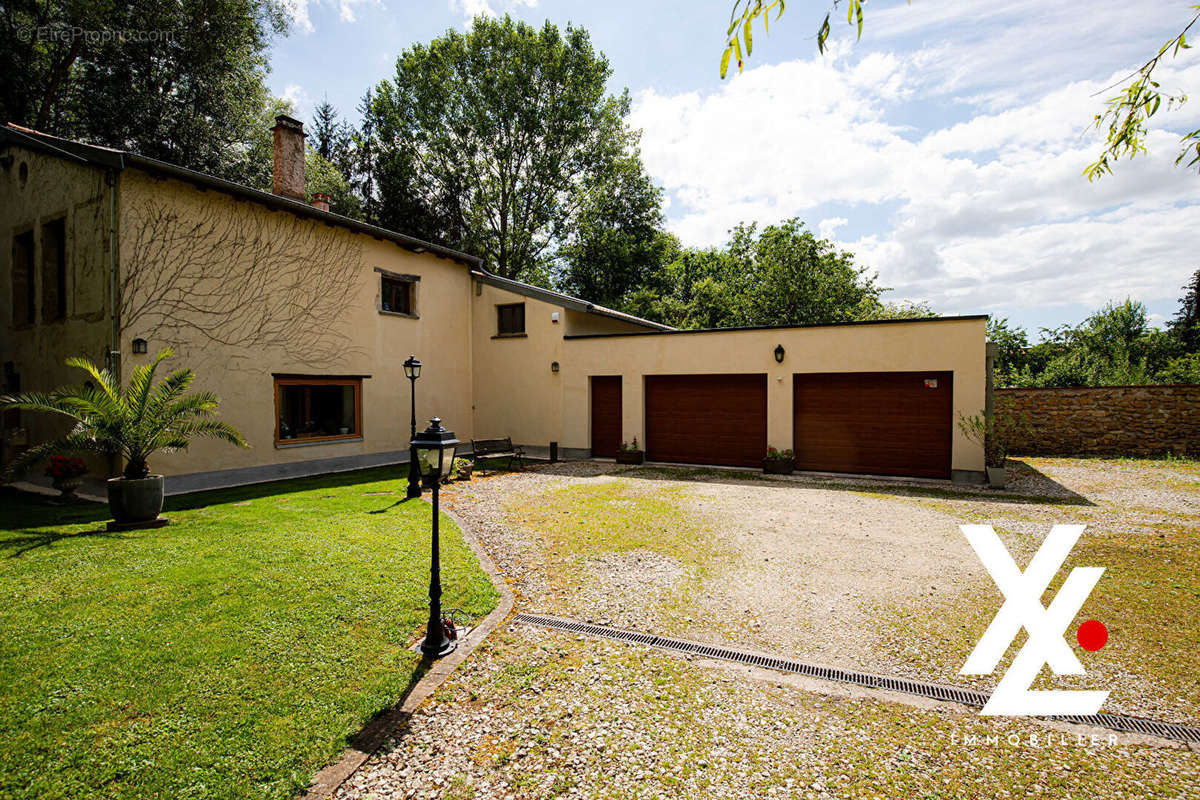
point(1092, 635)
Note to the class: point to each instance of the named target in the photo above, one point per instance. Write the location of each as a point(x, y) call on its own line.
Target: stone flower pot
point(997, 476)
point(135, 500)
point(630, 456)
point(67, 486)
point(779, 466)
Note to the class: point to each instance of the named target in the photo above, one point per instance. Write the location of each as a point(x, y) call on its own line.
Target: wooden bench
point(497, 448)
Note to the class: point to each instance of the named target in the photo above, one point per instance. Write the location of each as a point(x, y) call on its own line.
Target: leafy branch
point(744, 12)
point(1130, 111)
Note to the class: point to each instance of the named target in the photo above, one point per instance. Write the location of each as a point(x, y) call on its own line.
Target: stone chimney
point(289, 157)
point(320, 201)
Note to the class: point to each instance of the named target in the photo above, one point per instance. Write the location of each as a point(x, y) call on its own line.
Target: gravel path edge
point(369, 739)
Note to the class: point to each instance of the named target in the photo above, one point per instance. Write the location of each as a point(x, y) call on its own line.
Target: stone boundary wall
point(1105, 420)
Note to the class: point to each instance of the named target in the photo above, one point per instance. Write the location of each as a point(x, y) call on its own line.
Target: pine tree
point(1185, 328)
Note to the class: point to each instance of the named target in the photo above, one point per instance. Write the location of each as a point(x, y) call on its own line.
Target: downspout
point(114, 339)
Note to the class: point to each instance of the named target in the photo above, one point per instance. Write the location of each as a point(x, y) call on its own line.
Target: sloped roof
point(111, 158)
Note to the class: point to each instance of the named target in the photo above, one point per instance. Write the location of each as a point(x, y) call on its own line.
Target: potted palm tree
point(133, 422)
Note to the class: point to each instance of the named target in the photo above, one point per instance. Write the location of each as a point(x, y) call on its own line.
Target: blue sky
point(945, 149)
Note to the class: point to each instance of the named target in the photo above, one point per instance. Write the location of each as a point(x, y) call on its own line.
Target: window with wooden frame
point(54, 270)
point(398, 293)
point(510, 319)
point(309, 409)
point(24, 304)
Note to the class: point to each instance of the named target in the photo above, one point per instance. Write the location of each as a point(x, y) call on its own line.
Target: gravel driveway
point(874, 575)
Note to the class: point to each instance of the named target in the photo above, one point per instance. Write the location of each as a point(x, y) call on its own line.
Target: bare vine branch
point(239, 279)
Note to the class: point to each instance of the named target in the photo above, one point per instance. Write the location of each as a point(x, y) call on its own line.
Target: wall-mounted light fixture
point(554, 366)
point(554, 317)
point(779, 353)
point(139, 347)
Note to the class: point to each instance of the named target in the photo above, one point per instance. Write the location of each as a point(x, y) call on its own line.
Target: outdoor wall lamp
point(139, 346)
point(434, 449)
point(412, 371)
point(554, 366)
point(779, 353)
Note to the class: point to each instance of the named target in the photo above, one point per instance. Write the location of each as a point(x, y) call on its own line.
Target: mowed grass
point(228, 655)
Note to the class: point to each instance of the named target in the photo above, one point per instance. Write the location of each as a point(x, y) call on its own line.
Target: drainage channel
point(932, 691)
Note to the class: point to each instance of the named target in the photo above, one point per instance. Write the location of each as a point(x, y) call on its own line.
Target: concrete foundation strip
point(370, 738)
point(951, 694)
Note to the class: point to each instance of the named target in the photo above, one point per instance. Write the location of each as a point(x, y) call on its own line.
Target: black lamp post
point(412, 371)
point(434, 450)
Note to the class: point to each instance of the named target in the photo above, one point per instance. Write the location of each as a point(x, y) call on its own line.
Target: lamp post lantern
point(412, 371)
point(434, 451)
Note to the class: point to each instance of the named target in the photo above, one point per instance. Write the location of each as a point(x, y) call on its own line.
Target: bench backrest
point(491, 445)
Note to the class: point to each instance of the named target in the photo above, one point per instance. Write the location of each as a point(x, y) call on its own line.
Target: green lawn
point(228, 655)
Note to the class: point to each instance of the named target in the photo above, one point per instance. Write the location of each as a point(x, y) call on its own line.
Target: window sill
point(510, 336)
point(399, 314)
point(284, 444)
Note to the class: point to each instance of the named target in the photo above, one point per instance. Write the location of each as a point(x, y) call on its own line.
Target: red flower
point(66, 467)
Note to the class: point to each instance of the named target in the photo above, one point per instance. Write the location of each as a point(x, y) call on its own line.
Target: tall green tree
point(616, 240)
point(779, 275)
point(333, 139)
point(178, 80)
point(487, 139)
point(1114, 346)
point(1185, 326)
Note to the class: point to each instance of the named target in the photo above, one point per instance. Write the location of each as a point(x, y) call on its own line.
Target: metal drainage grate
point(933, 691)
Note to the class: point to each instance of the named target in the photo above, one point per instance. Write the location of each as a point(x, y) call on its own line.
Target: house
point(301, 319)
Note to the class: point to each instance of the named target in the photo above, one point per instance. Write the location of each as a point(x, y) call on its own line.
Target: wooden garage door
point(707, 419)
point(879, 423)
point(606, 415)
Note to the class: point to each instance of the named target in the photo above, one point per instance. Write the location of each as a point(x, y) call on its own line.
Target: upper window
point(398, 293)
point(317, 409)
point(510, 319)
point(54, 270)
point(23, 303)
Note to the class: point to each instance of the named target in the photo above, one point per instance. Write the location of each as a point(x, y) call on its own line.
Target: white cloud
point(295, 94)
point(989, 214)
point(470, 9)
point(827, 228)
point(298, 11)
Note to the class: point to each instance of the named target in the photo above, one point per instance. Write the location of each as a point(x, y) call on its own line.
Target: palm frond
point(104, 378)
point(74, 442)
point(210, 429)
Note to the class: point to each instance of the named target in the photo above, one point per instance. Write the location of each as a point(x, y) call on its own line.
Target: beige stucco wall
point(517, 393)
point(365, 342)
point(953, 345)
point(482, 385)
point(55, 188)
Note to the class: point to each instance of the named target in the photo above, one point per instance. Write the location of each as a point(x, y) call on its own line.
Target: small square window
point(397, 296)
point(510, 319)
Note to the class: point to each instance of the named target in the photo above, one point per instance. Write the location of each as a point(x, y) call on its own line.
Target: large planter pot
point(134, 500)
point(630, 456)
point(777, 466)
point(67, 486)
point(997, 476)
